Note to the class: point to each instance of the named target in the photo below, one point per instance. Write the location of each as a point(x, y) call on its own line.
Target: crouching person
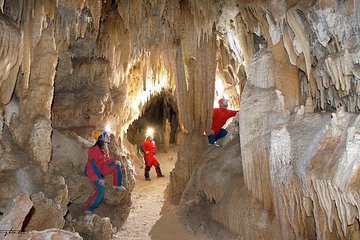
point(98, 166)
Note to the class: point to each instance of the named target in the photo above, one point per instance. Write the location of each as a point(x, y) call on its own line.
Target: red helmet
point(222, 101)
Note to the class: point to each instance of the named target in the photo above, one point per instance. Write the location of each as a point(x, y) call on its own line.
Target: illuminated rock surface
point(289, 167)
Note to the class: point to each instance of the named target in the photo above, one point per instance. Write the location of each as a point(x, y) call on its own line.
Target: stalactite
point(11, 46)
point(245, 43)
point(249, 20)
point(280, 151)
point(137, 19)
point(290, 203)
point(294, 21)
point(26, 62)
point(204, 18)
point(321, 91)
point(124, 11)
point(274, 29)
point(263, 24)
point(338, 67)
point(37, 22)
point(329, 194)
point(2, 5)
point(86, 73)
point(95, 9)
point(334, 203)
point(288, 43)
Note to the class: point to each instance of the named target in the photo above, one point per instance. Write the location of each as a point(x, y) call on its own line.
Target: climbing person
point(149, 149)
point(98, 166)
point(220, 116)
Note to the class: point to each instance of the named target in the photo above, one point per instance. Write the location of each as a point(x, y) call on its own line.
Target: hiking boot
point(215, 144)
point(88, 212)
point(147, 179)
point(162, 175)
point(121, 188)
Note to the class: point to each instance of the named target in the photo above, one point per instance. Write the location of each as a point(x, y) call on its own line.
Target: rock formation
point(289, 163)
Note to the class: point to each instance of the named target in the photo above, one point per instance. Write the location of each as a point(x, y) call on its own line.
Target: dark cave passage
point(161, 114)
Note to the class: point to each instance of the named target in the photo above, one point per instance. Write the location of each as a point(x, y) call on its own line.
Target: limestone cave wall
point(291, 67)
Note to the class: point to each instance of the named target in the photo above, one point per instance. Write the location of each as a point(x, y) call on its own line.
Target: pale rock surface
point(61, 159)
point(9, 161)
point(11, 40)
point(57, 234)
point(91, 227)
point(79, 65)
point(45, 214)
point(261, 110)
point(32, 126)
point(15, 215)
point(71, 165)
point(206, 205)
point(304, 183)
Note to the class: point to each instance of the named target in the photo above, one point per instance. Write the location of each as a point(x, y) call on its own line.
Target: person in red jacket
point(149, 149)
point(220, 116)
point(97, 167)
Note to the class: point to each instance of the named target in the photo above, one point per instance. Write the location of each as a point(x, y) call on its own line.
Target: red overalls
point(149, 147)
point(97, 167)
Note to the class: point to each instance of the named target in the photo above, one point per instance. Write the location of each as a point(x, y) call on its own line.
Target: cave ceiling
point(112, 56)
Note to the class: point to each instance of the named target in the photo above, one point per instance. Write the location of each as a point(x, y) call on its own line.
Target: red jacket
point(220, 116)
point(150, 150)
point(95, 163)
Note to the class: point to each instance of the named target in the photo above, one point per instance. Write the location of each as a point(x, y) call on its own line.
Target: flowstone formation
point(302, 183)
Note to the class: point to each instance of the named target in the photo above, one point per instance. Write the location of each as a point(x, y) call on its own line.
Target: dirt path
point(151, 217)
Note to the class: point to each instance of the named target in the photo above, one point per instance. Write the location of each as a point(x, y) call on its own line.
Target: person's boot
point(147, 175)
point(121, 188)
point(158, 172)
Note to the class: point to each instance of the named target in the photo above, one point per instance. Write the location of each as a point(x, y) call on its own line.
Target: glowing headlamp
point(107, 128)
point(149, 132)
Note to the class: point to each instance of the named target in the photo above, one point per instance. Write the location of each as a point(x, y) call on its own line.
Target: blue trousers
point(96, 199)
point(213, 138)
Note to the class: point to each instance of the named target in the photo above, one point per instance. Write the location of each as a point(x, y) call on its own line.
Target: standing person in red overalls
point(220, 116)
point(98, 166)
point(149, 148)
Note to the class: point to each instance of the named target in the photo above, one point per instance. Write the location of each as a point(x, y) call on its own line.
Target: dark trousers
point(157, 169)
point(213, 138)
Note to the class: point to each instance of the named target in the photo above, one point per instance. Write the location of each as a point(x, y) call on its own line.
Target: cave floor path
point(151, 216)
